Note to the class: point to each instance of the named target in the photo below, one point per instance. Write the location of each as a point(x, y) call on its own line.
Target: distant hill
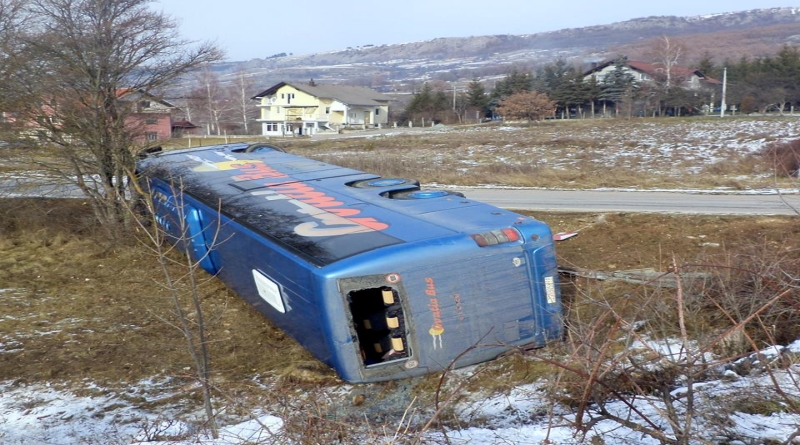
point(459, 59)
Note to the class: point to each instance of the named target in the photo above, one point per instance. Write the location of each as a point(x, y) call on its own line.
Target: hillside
point(729, 35)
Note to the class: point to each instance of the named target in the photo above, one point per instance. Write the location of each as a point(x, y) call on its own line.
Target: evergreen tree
point(476, 98)
point(476, 95)
point(592, 91)
point(571, 91)
point(619, 85)
point(427, 103)
point(515, 82)
point(421, 101)
point(706, 66)
point(552, 76)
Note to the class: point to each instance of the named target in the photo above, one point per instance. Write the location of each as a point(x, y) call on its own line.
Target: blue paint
point(377, 286)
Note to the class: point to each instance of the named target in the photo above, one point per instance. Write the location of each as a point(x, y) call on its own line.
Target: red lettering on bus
point(371, 223)
point(433, 305)
point(255, 170)
point(307, 194)
point(430, 287)
point(304, 193)
point(344, 212)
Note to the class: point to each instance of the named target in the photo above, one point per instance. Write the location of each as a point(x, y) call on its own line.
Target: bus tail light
point(496, 237)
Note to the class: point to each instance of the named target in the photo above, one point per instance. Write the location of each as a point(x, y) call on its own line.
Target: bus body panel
point(246, 253)
point(377, 287)
point(471, 312)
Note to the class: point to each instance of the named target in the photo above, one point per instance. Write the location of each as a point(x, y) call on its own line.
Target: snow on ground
point(48, 415)
point(673, 149)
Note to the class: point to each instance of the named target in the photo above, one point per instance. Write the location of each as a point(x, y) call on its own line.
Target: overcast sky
point(248, 29)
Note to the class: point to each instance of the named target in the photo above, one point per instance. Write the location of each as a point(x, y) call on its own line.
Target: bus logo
point(437, 328)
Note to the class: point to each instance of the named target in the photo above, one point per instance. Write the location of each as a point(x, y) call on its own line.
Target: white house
point(308, 108)
point(645, 72)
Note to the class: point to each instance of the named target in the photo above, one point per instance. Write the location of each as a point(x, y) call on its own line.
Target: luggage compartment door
point(201, 239)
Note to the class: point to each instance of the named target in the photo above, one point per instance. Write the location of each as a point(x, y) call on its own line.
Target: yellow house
point(309, 108)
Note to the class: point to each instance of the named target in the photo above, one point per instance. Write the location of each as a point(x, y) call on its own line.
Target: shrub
point(784, 157)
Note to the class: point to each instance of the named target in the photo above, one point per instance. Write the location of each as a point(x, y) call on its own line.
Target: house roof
point(655, 69)
point(184, 124)
point(133, 94)
point(346, 94)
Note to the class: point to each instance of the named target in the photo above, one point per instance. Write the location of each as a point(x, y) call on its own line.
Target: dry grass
point(644, 153)
point(79, 310)
point(76, 309)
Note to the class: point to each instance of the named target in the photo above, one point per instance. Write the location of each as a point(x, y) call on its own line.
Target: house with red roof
point(152, 117)
point(645, 72)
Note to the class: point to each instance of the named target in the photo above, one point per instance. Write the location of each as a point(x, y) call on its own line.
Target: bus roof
point(306, 206)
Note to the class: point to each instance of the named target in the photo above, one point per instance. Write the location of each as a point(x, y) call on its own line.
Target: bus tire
point(261, 147)
point(425, 194)
point(383, 183)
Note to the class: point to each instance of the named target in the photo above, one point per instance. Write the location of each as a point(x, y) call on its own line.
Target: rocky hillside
point(728, 35)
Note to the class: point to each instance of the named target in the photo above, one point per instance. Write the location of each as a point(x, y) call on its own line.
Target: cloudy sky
point(248, 29)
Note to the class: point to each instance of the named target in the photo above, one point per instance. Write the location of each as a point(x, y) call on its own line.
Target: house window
point(327, 110)
point(272, 127)
point(151, 121)
point(144, 104)
point(151, 136)
point(377, 111)
point(282, 96)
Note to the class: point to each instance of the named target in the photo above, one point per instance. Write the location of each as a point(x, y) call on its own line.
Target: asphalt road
point(651, 202)
point(550, 200)
point(33, 188)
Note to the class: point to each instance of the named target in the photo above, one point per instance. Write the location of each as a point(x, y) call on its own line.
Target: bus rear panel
point(374, 276)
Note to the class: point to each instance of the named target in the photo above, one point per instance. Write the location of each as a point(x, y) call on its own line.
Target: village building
point(288, 109)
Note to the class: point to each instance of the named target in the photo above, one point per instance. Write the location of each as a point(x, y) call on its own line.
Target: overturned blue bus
point(376, 277)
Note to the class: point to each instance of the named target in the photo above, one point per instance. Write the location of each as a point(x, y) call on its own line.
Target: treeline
point(761, 84)
point(752, 85)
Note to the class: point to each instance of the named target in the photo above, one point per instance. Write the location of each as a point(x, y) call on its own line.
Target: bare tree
point(12, 22)
point(210, 97)
point(242, 91)
point(668, 51)
point(80, 56)
point(183, 288)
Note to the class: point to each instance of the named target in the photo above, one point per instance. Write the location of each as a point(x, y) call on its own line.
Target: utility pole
point(724, 89)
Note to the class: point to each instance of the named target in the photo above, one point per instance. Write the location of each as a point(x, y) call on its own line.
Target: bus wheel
point(425, 194)
point(262, 147)
point(383, 182)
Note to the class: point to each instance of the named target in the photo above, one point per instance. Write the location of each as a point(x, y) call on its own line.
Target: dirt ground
point(618, 241)
point(74, 309)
